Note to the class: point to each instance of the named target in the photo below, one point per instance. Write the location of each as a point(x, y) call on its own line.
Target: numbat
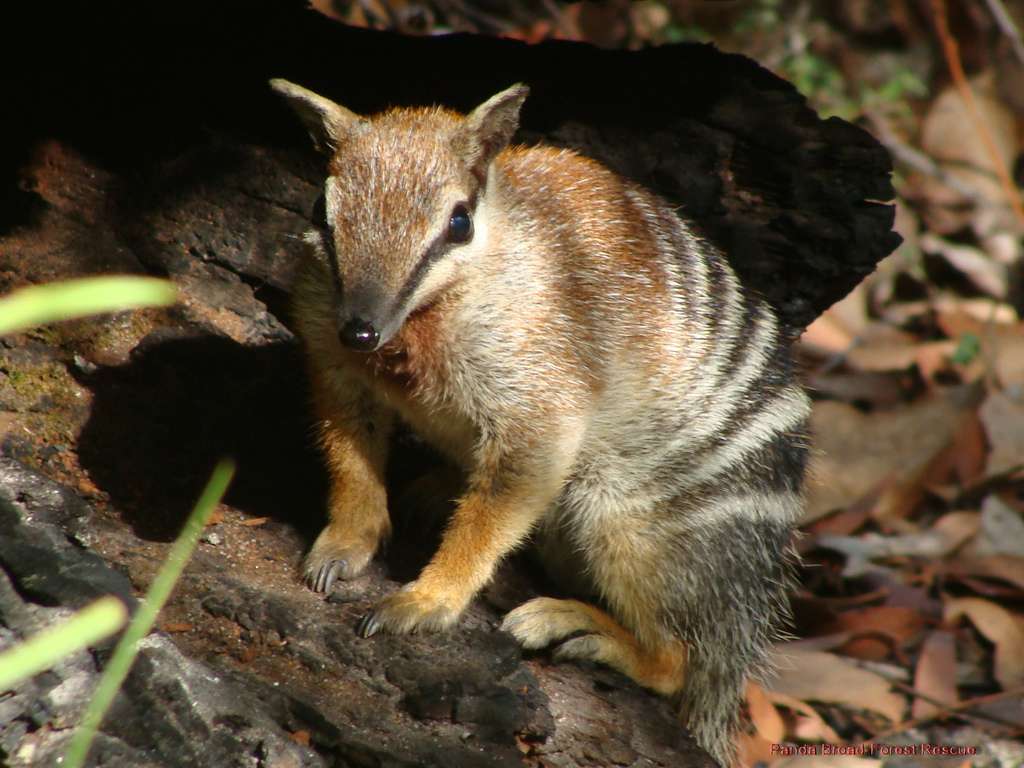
point(596, 368)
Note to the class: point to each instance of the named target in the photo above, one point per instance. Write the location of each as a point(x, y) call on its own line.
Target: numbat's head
point(404, 203)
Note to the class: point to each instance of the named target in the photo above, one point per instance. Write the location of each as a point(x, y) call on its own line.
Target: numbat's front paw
point(410, 609)
point(333, 558)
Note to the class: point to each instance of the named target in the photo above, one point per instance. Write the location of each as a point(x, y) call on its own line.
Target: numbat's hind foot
point(586, 632)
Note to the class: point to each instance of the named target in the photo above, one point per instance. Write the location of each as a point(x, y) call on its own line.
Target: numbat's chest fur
point(597, 369)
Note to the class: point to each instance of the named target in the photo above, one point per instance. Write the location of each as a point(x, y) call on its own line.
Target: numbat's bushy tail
point(596, 368)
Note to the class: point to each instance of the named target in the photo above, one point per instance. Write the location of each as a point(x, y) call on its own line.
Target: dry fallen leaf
point(900, 355)
point(809, 644)
point(1003, 629)
point(755, 749)
point(935, 675)
point(949, 134)
point(1001, 532)
point(985, 310)
point(826, 677)
point(915, 597)
point(1005, 567)
point(843, 522)
point(985, 272)
point(945, 536)
point(856, 452)
point(882, 390)
point(955, 528)
point(1003, 417)
point(1002, 343)
point(852, 310)
point(842, 326)
point(809, 725)
point(965, 458)
point(827, 335)
point(898, 624)
point(763, 715)
point(859, 552)
point(955, 321)
point(993, 591)
point(768, 725)
point(1008, 356)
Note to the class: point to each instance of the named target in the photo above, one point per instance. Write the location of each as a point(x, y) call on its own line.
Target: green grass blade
point(40, 304)
point(41, 651)
point(142, 622)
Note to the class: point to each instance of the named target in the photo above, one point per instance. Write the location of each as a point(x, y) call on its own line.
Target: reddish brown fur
point(410, 363)
point(356, 450)
point(658, 667)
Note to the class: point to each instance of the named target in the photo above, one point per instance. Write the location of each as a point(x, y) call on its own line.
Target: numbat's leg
point(354, 436)
point(545, 620)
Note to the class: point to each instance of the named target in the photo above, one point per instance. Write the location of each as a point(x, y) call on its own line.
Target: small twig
point(837, 359)
point(559, 19)
point(921, 162)
point(1005, 22)
point(982, 718)
point(892, 642)
point(946, 711)
point(951, 52)
point(468, 11)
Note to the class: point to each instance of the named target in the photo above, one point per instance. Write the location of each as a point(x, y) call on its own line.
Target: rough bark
point(150, 144)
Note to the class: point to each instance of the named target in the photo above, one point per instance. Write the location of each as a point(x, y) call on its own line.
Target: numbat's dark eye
point(460, 226)
point(319, 215)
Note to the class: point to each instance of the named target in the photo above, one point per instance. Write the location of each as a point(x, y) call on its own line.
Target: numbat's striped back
point(688, 480)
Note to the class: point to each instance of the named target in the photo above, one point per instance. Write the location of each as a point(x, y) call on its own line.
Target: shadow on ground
point(161, 421)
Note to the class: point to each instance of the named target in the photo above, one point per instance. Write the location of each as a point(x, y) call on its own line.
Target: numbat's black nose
point(359, 334)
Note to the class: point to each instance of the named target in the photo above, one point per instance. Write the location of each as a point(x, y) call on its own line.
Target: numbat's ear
point(489, 128)
point(328, 123)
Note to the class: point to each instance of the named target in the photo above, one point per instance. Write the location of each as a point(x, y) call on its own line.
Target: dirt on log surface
point(152, 145)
